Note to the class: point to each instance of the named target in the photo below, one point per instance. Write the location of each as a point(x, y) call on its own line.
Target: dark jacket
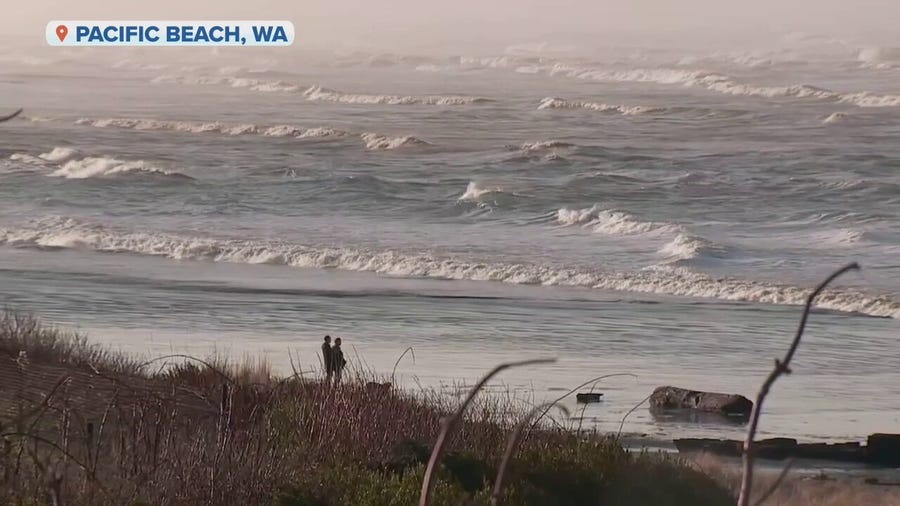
point(328, 357)
point(337, 359)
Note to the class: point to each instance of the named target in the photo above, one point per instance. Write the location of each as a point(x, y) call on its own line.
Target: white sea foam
point(688, 247)
point(376, 141)
point(611, 221)
point(671, 280)
point(474, 192)
point(545, 145)
point(318, 93)
point(836, 117)
point(214, 127)
point(59, 154)
point(92, 167)
point(626, 110)
point(724, 84)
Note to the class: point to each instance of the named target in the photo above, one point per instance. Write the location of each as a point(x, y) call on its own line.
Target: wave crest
point(318, 93)
point(611, 222)
point(625, 110)
point(670, 280)
point(376, 141)
point(93, 167)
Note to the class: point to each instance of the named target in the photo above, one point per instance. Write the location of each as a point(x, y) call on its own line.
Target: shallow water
point(659, 213)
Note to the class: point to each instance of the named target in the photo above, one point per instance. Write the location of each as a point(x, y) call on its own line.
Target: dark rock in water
point(839, 452)
point(777, 448)
point(883, 449)
point(668, 397)
point(589, 397)
point(724, 447)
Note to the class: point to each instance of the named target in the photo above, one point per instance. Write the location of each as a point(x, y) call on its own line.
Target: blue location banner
point(170, 33)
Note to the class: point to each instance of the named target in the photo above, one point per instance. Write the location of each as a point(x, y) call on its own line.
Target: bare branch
point(11, 116)
point(450, 423)
point(630, 411)
point(572, 391)
point(407, 350)
point(781, 367)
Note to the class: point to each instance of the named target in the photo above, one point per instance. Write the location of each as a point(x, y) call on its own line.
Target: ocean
point(656, 212)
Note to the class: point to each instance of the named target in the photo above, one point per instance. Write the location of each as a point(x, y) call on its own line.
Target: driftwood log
point(668, 397)
point(588, 397)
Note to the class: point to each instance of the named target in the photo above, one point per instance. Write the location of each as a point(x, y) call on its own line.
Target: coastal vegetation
point(83, 425)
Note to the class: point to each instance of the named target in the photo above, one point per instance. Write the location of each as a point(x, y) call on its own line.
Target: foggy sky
point(405, 22)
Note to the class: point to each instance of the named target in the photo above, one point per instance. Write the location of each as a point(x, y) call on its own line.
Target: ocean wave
point(376, 141)
point(625, 110)
point(543, 146)
point(611, 222)
point(69, 163)
point(669, 280)
point(212, 127)
point(232, 81)
point(474, 192)
point(59, 154)
point(836, 117)
point(96, 167)
point(725, 84)
point(318, 93)
point(688, 247)
point(373, 141)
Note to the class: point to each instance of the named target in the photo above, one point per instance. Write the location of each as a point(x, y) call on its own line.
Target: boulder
point(837, 452)
point(588, 397)
point(776, 448)
point(669, 397)
point(883, 449)
point(723, 447)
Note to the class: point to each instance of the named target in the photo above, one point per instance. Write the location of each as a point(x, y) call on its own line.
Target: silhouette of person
point(337, 360)
point(328, 358)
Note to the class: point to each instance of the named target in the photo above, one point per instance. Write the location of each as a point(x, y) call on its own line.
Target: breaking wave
point(836, 117)
point(625, 110)
point(232, 81)
point(688, 247)
point(91, 167)
point(318, 93)
point(670, 280)
point(213, 127)
point(724, 84)
point(475, 192)
point(69, 163)
point(543, 146)
point(611, 222)
point(373, 141)
point(381, 142)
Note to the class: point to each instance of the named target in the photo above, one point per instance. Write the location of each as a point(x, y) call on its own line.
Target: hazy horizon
point(405, 24)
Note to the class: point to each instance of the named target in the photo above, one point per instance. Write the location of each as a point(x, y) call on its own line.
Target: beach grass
point(83, 425)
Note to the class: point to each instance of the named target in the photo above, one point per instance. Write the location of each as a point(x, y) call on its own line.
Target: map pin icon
point(61, 32)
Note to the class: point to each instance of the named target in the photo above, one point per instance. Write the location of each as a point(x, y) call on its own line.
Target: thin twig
point(450, 423)
point(409, 350)
point(630, 411)
point(781, 367)
point(513, 443)
point(11, 116)
point(572, 391)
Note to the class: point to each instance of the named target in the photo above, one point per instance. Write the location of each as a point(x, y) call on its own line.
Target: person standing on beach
point(337, 360)
point(328, 358)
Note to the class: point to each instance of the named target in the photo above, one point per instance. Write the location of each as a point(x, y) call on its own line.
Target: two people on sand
point(333, 357)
